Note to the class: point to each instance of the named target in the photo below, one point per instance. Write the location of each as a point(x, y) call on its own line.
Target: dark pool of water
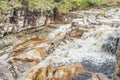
point(107, 67)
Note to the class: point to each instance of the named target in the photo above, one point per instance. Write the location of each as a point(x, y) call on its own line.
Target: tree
point(46, 7)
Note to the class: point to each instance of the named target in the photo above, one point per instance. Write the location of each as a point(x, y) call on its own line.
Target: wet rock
point(41, 75)
point(32, 58)
point(111, 45)
point(77, 30)
point(99, 76)
point(52, 26)
point(76, 33)
point(90, 76)
point(64, 72)
point(102, 13)
point(29, 52)
point(5, 73)
point(83, 76)
point(117, 67)
point(2, 76)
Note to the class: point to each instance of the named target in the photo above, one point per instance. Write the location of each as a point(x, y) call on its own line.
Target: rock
point(117, 68)
point(76, 33)
point(53, 26)
point(29, 52)
point(32, 75)
point(41, 75)
point(112, 2)
point(77, 30)
point(32, 59)
point(64, 72)
point(41, 51)
point(28, 43)
point(50, 71)
point(90, 76)
point(83, 76)
point(61, 73)
point(37, 53)
point(111, 45)
point(102, 13)
point(76, 23)
point(98, 76)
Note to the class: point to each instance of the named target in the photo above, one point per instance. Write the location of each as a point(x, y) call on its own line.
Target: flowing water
point(95, 49)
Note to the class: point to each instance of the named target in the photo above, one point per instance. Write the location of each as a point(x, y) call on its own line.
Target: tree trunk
point(25, 7)
point(24, 22)
point(55, 13)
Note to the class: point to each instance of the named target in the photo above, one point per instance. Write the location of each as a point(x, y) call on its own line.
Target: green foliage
point(102, 13)
point(66, 5)
point(118, 1)
point(4, 6)
point(15, 4)
point(76, 4)
point(40, 5)
point(98, 2)
point(63, 6)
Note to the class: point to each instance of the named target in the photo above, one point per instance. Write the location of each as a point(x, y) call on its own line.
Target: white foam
point(60, 31)
point(88, 47)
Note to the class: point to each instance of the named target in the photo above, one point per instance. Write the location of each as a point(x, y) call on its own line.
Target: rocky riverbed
point(82, 50)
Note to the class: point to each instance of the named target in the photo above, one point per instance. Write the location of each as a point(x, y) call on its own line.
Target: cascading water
point(95, 49)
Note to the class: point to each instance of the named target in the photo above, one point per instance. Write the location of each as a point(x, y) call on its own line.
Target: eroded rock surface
point(82, 50)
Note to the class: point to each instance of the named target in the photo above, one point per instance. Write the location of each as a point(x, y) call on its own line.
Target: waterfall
point(98, 44)
point(95, 49)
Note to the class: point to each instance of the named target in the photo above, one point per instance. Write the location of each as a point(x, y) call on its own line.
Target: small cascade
point(111, 45)
point(95, 50)
point(92, 47)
